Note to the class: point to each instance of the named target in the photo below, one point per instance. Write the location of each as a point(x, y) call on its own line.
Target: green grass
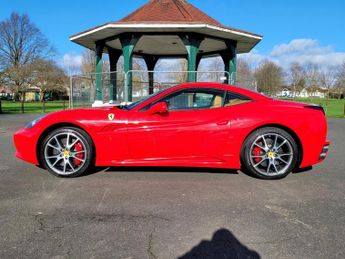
point(334, 108)
point(32, 107)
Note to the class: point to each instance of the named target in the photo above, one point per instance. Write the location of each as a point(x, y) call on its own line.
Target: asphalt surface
point(175, 213)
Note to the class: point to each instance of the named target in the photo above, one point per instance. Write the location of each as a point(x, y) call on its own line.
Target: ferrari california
point(192, 125)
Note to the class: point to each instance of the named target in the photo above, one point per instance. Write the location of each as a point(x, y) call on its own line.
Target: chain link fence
point(83, 87)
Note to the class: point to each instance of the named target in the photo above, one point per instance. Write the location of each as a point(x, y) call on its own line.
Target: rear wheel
point(67, 152)
point(270, 153)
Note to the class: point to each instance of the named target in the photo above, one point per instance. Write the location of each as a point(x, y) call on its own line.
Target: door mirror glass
point(158, 108)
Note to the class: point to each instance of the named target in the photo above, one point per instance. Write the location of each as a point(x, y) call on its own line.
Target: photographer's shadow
point(224, 245)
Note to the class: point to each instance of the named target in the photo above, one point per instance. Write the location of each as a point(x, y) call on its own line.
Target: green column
point(99, 70)
point(230, 61)
point(151, 62)
point(128, 42)
point(192, 43)
point(114, 56)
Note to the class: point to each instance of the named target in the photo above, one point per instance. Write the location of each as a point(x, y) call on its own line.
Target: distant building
point(5, 93)
point(308, 92)
point(32, 94)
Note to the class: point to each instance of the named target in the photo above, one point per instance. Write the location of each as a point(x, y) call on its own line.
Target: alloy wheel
point(271, 154)
point(65, 153)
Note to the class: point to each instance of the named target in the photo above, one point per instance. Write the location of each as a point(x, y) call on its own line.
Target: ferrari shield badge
point(111, 116)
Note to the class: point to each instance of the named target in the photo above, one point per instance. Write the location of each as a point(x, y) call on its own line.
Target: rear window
point(232, 99)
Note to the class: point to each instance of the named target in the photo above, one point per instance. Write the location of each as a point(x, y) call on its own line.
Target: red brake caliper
point(257, 152)
point(78, 147)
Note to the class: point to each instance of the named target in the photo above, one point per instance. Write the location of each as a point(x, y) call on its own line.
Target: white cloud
point(254, 57)
point(71, 62)
point(295, 46)
point(72, 59)
point(304, 51)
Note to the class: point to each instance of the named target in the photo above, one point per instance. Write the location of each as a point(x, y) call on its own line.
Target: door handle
point(223, 123)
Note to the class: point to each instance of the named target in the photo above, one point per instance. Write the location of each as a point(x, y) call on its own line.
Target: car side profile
point(191, 125)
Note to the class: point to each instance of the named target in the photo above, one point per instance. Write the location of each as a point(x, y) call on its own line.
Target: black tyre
point(269, 153)
point(67, 152)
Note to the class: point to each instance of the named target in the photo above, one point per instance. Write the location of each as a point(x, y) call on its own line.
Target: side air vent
point(315, 107)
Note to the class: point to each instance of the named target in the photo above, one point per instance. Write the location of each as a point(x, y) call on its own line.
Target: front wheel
point(67, 152)
point(270, 153)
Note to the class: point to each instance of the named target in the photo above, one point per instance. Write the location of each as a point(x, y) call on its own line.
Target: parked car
point(191, 125)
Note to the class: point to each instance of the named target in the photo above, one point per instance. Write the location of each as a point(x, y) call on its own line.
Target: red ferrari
point(191, 125)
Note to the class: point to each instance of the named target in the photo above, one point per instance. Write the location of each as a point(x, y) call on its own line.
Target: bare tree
point(245, 74)
point(88, 62)
point(174, 65)
point(140, 80)
point(269, 77)
point(298, 77)
point(213, 64)
point(313, 75)
point(1, 77)
point(340, 80)
point(48, 77)
point(19, 79)
point(21, 43)
point(180, 77)
point(327, 80)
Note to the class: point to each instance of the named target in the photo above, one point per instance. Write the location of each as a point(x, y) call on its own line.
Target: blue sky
point(292, 29)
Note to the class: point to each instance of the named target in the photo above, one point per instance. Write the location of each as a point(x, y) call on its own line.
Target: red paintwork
point(194, 138)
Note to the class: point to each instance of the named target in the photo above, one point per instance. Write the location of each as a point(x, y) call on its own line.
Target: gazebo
point(164, 29)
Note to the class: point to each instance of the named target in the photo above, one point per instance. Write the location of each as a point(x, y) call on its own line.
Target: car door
point(195, 128)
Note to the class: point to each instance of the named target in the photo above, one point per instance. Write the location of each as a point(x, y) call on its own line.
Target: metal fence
point(83, 87)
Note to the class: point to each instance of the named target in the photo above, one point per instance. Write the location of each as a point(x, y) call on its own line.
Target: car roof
point(251, 94)
point(207, 85)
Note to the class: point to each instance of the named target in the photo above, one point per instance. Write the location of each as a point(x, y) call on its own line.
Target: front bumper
point(25, 141)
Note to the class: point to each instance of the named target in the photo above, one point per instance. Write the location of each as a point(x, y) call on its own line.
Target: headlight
point(32, 123)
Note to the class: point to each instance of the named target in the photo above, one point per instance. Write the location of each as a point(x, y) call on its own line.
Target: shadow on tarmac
point(223, 245)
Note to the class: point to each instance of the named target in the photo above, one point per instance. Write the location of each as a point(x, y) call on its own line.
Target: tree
point(88, 62)
point(327, 80)
point(176, 76)
point(298, 77)
point(340, 75)
point(1, 77)
point(313, 75)
point(340, 80)
point(21, 44)
point(269, 77)
point(245, 75)
point(207, 64)
point(19, 79)
point(48, 77)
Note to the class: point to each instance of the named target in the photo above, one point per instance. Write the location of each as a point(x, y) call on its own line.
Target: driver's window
point(195, 99)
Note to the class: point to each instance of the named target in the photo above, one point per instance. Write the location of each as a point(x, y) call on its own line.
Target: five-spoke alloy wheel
point(66, 152)
point(270, 153)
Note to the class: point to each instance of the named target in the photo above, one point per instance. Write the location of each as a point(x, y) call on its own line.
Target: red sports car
point(191, 125)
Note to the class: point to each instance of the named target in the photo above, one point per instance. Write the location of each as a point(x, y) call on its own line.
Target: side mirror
point(158, 108)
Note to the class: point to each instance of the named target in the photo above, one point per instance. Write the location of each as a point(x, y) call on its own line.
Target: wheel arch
point(54, 127)
point(282, 127)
